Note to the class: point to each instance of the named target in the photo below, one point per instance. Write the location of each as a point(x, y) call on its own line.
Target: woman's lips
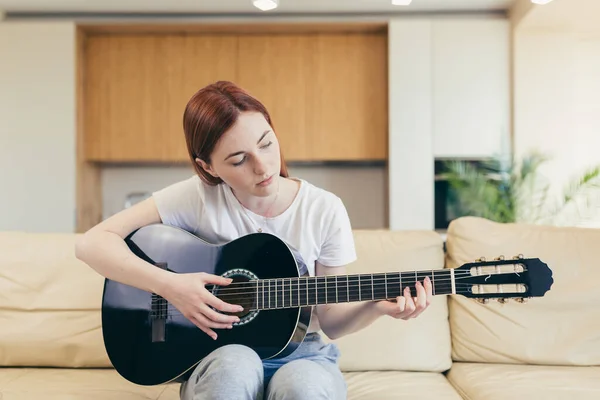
point(266, 182)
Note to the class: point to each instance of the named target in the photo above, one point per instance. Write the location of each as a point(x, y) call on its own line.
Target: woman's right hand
point(188, 294)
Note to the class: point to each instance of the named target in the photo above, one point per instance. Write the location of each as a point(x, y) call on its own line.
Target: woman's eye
point(237, 164)
point(267, 145)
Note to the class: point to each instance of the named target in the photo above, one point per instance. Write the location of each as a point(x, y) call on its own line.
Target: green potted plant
point(505, 189)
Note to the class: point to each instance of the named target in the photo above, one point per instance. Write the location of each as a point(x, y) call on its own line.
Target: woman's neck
point(274, 204)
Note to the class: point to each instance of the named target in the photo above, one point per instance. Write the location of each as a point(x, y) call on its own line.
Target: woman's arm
point(337, 320)
point(103, 248)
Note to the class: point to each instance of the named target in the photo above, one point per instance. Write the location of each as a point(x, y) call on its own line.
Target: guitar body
point(149, 342)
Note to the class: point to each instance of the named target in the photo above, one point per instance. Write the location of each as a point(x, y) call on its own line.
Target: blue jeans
point(236, 372)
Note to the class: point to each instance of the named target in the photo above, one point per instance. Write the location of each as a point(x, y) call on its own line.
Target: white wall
point(557, 99)
point(449, 97)
point(411, 167)
point(37, 126)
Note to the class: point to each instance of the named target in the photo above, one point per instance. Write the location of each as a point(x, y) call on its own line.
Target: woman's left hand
point(406, 307)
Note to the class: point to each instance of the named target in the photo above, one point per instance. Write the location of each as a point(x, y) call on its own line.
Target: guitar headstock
point(518, 278)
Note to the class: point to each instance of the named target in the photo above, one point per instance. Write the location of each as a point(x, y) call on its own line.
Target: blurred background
point(413, 112)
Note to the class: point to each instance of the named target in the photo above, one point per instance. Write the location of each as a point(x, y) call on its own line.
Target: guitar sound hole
point(242, 291)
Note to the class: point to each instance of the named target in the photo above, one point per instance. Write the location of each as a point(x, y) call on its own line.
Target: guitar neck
point(310, 291)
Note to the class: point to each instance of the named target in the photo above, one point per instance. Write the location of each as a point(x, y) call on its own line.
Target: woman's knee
point(231, 371)
point(235, 357)
point(304, 379)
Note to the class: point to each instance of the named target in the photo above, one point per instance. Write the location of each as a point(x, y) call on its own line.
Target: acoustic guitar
point(149, 342)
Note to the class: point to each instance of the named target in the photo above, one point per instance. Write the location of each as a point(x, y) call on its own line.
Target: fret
point(326, 290)
point(311, 291)
point(283, 292)
point(336, 289)
point(269, 288)
point(307, 293)
point(291, 298)
point(320, 282)
point(432, 282)
point(386, 283)
point(342, 289)
point(263, 294)
point(400, 283)
point(393, 285)
point(353, 288)
point(303, 292)
point(372, 289)
point(380, 287)
point(359, 289)
point(366, 287)
point(347, 290)
point(275, 292)
point(331, 295)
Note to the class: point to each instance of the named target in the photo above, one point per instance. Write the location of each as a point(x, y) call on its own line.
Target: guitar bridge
point(159, 314)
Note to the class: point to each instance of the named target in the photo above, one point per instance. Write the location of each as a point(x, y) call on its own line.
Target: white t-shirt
point(315, 226)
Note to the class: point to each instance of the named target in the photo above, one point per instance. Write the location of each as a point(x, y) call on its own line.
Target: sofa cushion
point(101, 384)
point(49, 303)
point(560, 328)
point(384, 385)
point(504, 381)
point(420, 344)
point(72, 384)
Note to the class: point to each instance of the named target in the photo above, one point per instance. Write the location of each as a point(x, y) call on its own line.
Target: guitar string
point(176, 312)
point(251, 288)
point(421, 274)
point(352, 293)
point(320, 280)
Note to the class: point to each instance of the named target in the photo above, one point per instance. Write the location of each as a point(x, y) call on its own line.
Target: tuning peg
point(499, 258)
point(483, 301)
point(518, 257)
point(521, 299)
point(502, 300)
point(480, 259)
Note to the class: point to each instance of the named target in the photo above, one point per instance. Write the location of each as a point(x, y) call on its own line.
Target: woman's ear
point(207, 167)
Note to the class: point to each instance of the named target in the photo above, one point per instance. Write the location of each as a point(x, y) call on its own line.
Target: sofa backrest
point(420, 344)
point(49, 303)
point(560, 328)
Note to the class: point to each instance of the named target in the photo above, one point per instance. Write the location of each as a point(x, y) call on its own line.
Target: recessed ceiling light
point(401, 2)
point(541, 1)
point(265, 5)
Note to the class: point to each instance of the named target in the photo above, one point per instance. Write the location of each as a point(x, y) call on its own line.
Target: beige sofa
point(548, 348)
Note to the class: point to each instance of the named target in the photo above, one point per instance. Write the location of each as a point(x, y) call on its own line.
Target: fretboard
point(307, 291)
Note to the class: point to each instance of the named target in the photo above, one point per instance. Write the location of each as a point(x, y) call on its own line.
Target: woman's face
point(247, 156)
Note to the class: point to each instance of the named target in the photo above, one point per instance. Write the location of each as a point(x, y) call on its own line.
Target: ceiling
point(569, 14)
point(245, 6)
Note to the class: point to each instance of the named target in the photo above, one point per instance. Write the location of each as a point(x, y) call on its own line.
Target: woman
point(242, 186)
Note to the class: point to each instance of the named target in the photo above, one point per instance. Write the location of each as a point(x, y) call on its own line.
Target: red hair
point(209, 114)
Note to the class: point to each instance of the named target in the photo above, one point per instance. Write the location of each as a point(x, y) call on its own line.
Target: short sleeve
point(338, 248)
point(180, 204)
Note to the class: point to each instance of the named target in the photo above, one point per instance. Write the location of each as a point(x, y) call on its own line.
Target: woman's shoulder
point(190, 187)
point(319, 196)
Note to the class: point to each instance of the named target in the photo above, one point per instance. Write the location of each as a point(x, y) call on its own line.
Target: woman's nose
point(260, 167)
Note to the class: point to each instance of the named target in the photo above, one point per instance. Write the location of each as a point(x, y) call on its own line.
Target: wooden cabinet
point(274, 69)
point(347, 106)
point(136, 89)
point(326, 92)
